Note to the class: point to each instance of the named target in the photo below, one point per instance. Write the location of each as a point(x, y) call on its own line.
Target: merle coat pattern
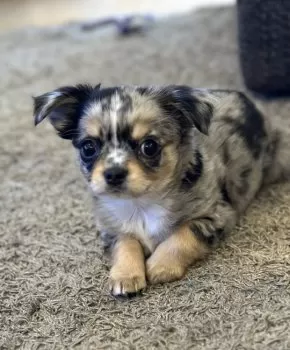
point(208, 154)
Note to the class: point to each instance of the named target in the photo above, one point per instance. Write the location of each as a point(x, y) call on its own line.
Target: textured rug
point(52, 275)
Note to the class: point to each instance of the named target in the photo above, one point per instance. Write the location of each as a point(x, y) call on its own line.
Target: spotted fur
point(217, 150)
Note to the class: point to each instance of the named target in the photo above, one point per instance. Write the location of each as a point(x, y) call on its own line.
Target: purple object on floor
point(125, 26)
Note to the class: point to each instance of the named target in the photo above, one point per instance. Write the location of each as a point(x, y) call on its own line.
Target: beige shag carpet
point(52, 275)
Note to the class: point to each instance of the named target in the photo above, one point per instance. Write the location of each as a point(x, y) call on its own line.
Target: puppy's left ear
point(63, 108)
point(189, 106)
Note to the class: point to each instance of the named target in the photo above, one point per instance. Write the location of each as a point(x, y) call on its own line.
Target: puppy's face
point(125, 144)
point(128, 139)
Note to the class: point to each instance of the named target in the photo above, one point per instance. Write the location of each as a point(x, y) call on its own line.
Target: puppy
point(171, 169)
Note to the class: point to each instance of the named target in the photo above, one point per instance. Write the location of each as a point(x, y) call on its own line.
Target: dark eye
point(150, 148)
point(89, 149)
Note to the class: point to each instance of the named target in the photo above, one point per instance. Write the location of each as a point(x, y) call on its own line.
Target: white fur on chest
point(141, 217)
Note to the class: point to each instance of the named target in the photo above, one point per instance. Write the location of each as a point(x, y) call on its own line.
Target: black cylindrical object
point(264, 45)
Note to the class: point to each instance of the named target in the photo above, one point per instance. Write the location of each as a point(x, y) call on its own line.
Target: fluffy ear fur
point(63, 107)
point(181, 102)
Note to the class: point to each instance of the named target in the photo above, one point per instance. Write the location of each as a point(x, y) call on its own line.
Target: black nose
point(115, 176)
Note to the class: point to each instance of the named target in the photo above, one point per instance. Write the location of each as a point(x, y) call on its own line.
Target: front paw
point(165, 270)
point(126, 284)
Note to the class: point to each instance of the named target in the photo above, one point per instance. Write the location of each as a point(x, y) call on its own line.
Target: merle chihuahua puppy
point(171, 169)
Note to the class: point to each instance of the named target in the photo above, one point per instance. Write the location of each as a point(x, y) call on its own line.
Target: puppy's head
point(129, 139)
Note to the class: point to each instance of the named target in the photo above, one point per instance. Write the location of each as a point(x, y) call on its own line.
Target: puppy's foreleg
point(173, 256)
point(127, 275)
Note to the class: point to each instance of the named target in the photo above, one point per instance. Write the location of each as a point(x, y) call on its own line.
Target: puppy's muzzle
point(115, 176)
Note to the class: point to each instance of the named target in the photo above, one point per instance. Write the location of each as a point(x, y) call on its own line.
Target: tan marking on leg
point(128, 267)
point(172, 257)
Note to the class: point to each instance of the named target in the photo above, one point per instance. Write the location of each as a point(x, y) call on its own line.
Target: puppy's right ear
point(63, 107)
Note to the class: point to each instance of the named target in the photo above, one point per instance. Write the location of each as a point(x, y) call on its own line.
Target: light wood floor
point(19, 13)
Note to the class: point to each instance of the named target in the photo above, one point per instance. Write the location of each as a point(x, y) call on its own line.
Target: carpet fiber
point(53, 292)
